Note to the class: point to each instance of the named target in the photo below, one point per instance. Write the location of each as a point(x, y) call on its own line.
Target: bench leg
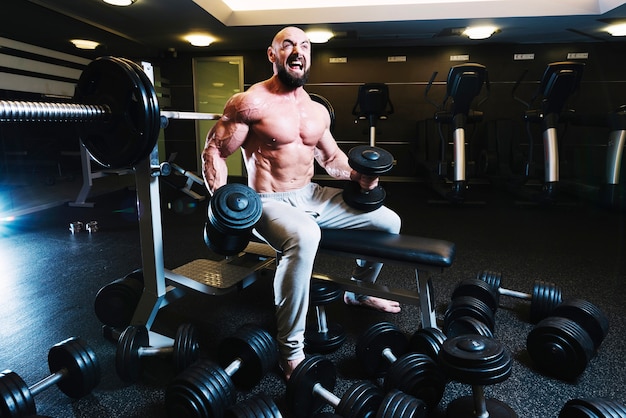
point(427, 300)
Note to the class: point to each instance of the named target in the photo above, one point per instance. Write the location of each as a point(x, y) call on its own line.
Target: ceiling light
point(617, 30)
point(319, 36)
point(480, 32)
point(84, 44)
point(197, 39)
point(120, 2)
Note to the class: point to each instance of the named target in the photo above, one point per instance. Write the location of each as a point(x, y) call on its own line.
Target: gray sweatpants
point(291, 223)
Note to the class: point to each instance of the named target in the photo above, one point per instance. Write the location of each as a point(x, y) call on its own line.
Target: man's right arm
point(228, 134)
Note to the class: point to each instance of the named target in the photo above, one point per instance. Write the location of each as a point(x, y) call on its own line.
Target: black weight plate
point(370, 346)
point(593, 407)
point(464, 407)
point(469, 306)
point(396, 404)
point(362, 399)
point(127, 359)
point(324, 292)
point(478, 289)
point(587, 315)
point(464, 325)
point(234, 208)
point(186, 347)
point(122, 138)
point(475, 360)
point(492, 278)
point(419, 376)
point(365, 201)
point(115, 303)
point(301, 400)
point(371, 161)
point(15, 397)
point(545, 297)
point(324, 342)
point(559, 347)
point(257, 350)
point(83, 368)
point(427, 341)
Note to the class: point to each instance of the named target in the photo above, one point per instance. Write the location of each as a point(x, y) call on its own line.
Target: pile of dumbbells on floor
point(414, 370)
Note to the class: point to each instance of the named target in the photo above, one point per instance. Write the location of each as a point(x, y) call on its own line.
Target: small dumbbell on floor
point(326, 336)
point(592, 408)
point(75, 370)
point(383, 350)
point(478, 361)
point(115, 303)
point(133, 344)
point(254, 407)
point(206, 389)
point(471, 309)
point(562, 344)
point(310, 388)
point(545, 296)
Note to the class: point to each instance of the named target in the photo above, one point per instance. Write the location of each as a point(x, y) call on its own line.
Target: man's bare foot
point(371, 302)
point(288, 366)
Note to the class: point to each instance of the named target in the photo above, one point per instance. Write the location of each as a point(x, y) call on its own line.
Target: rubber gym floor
point(49, 279)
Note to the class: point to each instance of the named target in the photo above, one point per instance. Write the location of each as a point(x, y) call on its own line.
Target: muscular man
point(282, 132)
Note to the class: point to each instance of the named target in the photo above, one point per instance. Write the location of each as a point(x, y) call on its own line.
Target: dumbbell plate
point(258, 406)
point(464, 407)
point(592, 408)
point(299, 393)
point(360, 400)
point(371, 161)
point(464, 325)
point(587, 315)
point(15, 397)
point(81, 363)
point(324, 342)
point(186, 347)
point(545, 298)
point(478, 289)
point(427, 341)
point(370, 346)
point(396, 404)
point(115, 303)
point(417, 375)
point(127, 361)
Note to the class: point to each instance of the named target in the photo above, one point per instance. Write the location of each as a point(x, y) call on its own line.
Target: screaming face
point(293, 73)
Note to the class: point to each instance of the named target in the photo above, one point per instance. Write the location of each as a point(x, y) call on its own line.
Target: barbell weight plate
point(15, 397)
point(369, 160)
point(202, 390)
point(419, 376)
point(478, 289)
point(559, 347)
point(427, 341)
point(324, 292)
point(257, 350)
point(301, 400)
point(587, 315)
point(544, 298)
point(83, 368)
point(186, 347)
point(365, 201)
point(362, 399)
point(127, 359)
point(475, 359)
point(370, 346)
point(122, 138)
point(115, 303)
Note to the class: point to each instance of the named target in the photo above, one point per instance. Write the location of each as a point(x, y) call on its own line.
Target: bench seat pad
point(387, 246)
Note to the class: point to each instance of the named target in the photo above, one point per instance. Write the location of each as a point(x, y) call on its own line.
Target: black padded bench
point(423, 254)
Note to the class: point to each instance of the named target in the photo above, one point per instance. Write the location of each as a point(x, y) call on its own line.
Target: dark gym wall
point(603, 89)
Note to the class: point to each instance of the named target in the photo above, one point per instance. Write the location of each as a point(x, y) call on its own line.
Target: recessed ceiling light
point(120, 2)
point(617, 30)
point(198, 39)
point(480, 32)
point(84, 44)
point(319, 36)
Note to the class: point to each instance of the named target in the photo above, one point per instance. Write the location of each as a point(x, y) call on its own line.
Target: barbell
point(115, 109)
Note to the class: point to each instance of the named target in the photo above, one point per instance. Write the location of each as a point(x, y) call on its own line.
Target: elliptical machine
point(559, 82)
point(463, 85)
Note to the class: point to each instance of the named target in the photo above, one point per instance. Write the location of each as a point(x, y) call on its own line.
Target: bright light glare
point(617, 30)
point(480, 32)
point(319, 36)
point(197, 39)
point(84, 44)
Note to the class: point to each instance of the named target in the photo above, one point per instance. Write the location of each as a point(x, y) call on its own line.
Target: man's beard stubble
point(289, 80)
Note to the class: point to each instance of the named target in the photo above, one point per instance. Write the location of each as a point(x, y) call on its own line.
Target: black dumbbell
point(207, 389)
point(115, 303)
point(370, 161)
point(133, 344)
point(428, 341)
point(544, 297)
point(479, 361)
point(233, 211)
point(310, 388)
point(562, 344)
point(75, 370)
point(592, 408)
point(254, 407)
point(325, 337)
point(471, 309)
point(383, 349)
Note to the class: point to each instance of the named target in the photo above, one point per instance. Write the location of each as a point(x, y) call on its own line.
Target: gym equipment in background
point(464, 83)
point(559, 82)
point(373, 104)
